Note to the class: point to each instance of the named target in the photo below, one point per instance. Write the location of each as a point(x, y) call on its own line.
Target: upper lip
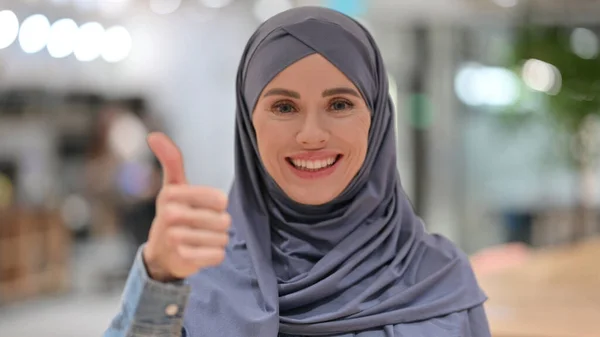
point(314, 155)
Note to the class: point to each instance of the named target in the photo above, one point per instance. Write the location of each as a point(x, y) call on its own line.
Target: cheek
point(364, 131)
point(265, 144)
point(270, 138)
point(357, 135)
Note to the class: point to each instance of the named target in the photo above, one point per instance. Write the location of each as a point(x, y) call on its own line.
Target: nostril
point(312, 138)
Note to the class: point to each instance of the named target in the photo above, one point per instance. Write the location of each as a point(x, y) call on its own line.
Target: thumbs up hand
point(189, 231)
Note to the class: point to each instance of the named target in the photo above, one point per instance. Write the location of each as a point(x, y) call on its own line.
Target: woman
point(323, 241)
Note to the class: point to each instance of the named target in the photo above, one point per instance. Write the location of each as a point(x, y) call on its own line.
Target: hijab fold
point(362, 261)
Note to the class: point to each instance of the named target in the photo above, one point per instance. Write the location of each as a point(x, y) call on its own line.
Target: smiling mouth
point(313, 165)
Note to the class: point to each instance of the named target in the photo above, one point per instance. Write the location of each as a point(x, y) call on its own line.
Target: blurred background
point(498, 122)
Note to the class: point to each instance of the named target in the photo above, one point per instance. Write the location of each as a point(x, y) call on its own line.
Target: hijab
point(359, 262)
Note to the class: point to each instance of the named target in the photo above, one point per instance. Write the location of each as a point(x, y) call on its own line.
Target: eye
point(340, 105)
point(283, 108)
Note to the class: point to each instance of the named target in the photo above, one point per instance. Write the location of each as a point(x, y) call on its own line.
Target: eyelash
point(279, 104)
point(349, 105)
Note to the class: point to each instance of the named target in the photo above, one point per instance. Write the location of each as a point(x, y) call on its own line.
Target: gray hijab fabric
point(362, 262)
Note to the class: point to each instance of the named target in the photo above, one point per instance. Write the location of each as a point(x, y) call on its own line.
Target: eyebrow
point(327, 92)
point(340, 91)
point(282, 92)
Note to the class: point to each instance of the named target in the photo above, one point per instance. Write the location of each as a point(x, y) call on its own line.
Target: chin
point(312, 198)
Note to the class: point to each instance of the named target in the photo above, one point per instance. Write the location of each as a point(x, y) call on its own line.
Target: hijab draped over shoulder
point(360, 262)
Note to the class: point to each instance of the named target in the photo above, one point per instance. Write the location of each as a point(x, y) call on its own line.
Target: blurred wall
point(185, 63)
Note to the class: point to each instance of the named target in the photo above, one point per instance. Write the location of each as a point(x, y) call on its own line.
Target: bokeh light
point(541, 76)
point(76, 212)
point(116, 44)
point(215, 3)
point(584, 43)
point(477, 85)
point(89, 42)
point(9, 28)
point(127, 137)
point(63, 34)
point(34, 33)
point(352, 8)
point(164, 6)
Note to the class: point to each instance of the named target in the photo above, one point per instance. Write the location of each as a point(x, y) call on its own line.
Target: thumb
point(169, 156)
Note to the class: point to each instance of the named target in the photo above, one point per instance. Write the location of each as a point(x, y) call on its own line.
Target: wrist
point(154, 270)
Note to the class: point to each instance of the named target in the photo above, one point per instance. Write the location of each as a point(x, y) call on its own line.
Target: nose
point(313, 132)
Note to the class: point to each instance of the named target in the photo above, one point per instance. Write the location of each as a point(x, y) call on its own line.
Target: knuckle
point(181, 254)
point(173, 238)
point(218, 199)
point(223, 201)
point(171, 214)
point(213, 258)
point(165, 194)
point(223, 240)
point(226, 220)
point(219, 256)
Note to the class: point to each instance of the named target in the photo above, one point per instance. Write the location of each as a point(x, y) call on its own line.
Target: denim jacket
point(149, 308)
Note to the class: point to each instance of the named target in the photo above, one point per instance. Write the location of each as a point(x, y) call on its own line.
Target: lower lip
point(315, 174)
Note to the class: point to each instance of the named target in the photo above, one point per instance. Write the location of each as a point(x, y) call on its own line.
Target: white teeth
point(313, 164)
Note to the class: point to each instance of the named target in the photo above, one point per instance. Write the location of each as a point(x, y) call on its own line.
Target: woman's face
point(312, 128)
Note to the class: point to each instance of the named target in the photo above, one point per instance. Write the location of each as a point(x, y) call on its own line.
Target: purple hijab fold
point(361, 262)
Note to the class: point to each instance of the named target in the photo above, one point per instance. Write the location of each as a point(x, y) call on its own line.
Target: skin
point(311, 109)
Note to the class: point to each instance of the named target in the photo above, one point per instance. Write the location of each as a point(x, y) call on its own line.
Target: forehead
point(312, 73)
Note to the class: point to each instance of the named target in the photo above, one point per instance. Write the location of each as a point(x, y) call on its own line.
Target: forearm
point(149, 308)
